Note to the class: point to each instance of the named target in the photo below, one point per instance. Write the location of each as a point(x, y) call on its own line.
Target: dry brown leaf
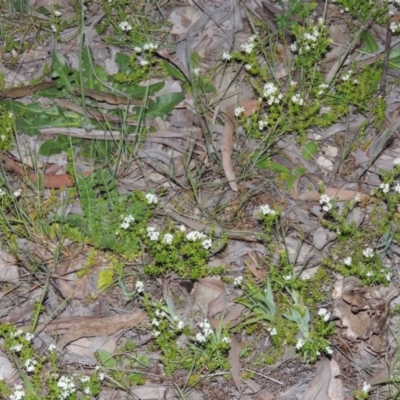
point(333, 193)
point(106, 326)
point(234, 359)
point(227, 138)
point(261, 275)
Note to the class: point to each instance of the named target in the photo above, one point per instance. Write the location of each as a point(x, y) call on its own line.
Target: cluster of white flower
point(272, 331)
point(125, 26)
point(262, 123)
point(326, 202)
point(151, 198)
point(269, 93)
point(226, 339)
point(152, 234)
point(30, 365)
point(207, 331)
point(57, 13)
point(347, 261)
point(297, 99)
point(226, 56)
point(267, 210)
point(150, 46)
point(366, 387)
point(368, 252)
point(67, 387)
point(347, 75)
point(322, 88)
point(396, 161)
point(52, 347)
point(53, 28)
point(309, 40)
point(238, 280)
point(17, 347)
point(182, 228)
point(247, 67)
point(388, 275)
point(143, 63)
point(369, 274)
point(324, 313)
point(194, 235)
point(139, 286)
point(299, 344)
point(239, 111)
point(328, 350)
point(168, 238)
point(394, 26)
point(137, 49)
point(384, 187)
point(287, 277)
point(126, 222)
point(18, 394)
point(249, 45)
point(17, 193)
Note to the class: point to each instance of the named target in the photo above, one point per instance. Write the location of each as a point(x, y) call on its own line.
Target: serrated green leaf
point(62, 143)
point(139, 92)
point(164, 105)
point(309, 150)
point(370, 44)
point(122, 60)
point(174, 72)
point(62, 72)
point(106, 358)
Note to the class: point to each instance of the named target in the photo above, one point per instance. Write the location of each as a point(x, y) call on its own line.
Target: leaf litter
point(361, 312)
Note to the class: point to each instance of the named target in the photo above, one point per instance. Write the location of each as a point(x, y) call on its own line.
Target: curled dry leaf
point(363, 313)
point(90, 327)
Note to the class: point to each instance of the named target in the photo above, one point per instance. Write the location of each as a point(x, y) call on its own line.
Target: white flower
point(30, 365)
point(299, 344)
point(320, 21)
point(101, 376)
point(239, 111)
point(247, 67)
point(324, 199)
point(152, 234)
point(126, 222)
point(238, 281)
point(137, 49)
point(17, 193)
point(29, 336)
point(357, 198)
point(323, 312)
point(266, 210)
point(206, 244)
point(396, 188)
point(150, 46)
point(2, 192)
point(156, 333)
point(18, 394)
point(155, 322)
point(305, 277)
point(143, 63)
point(200, 338)
point(3, 137)
point(328, 350)
point(293, 47)
point(226, 56)
point(85, 379)
point(182, 228)
point(384, 187)
point(57, 13)
point(10, 114)
point(125, 26)
point(366, 387)
point(368, 252)
point(180, 325)
point(52, 347)
point(297, 99)
point(293, 83)
point(262, 123)
point(87, 390)
point(53, 28)
point(287, 277)
point(17, 347)
point(151, 198)
point(168, 238)
point(396, 161)
point(139, 286)
point(194, 235)
point(272, 331)
point(347, 261)
point(67, 387)
point(247, 47)
point(269, 89)
point(226, 339)
point(388, 276)
point(369, 274)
